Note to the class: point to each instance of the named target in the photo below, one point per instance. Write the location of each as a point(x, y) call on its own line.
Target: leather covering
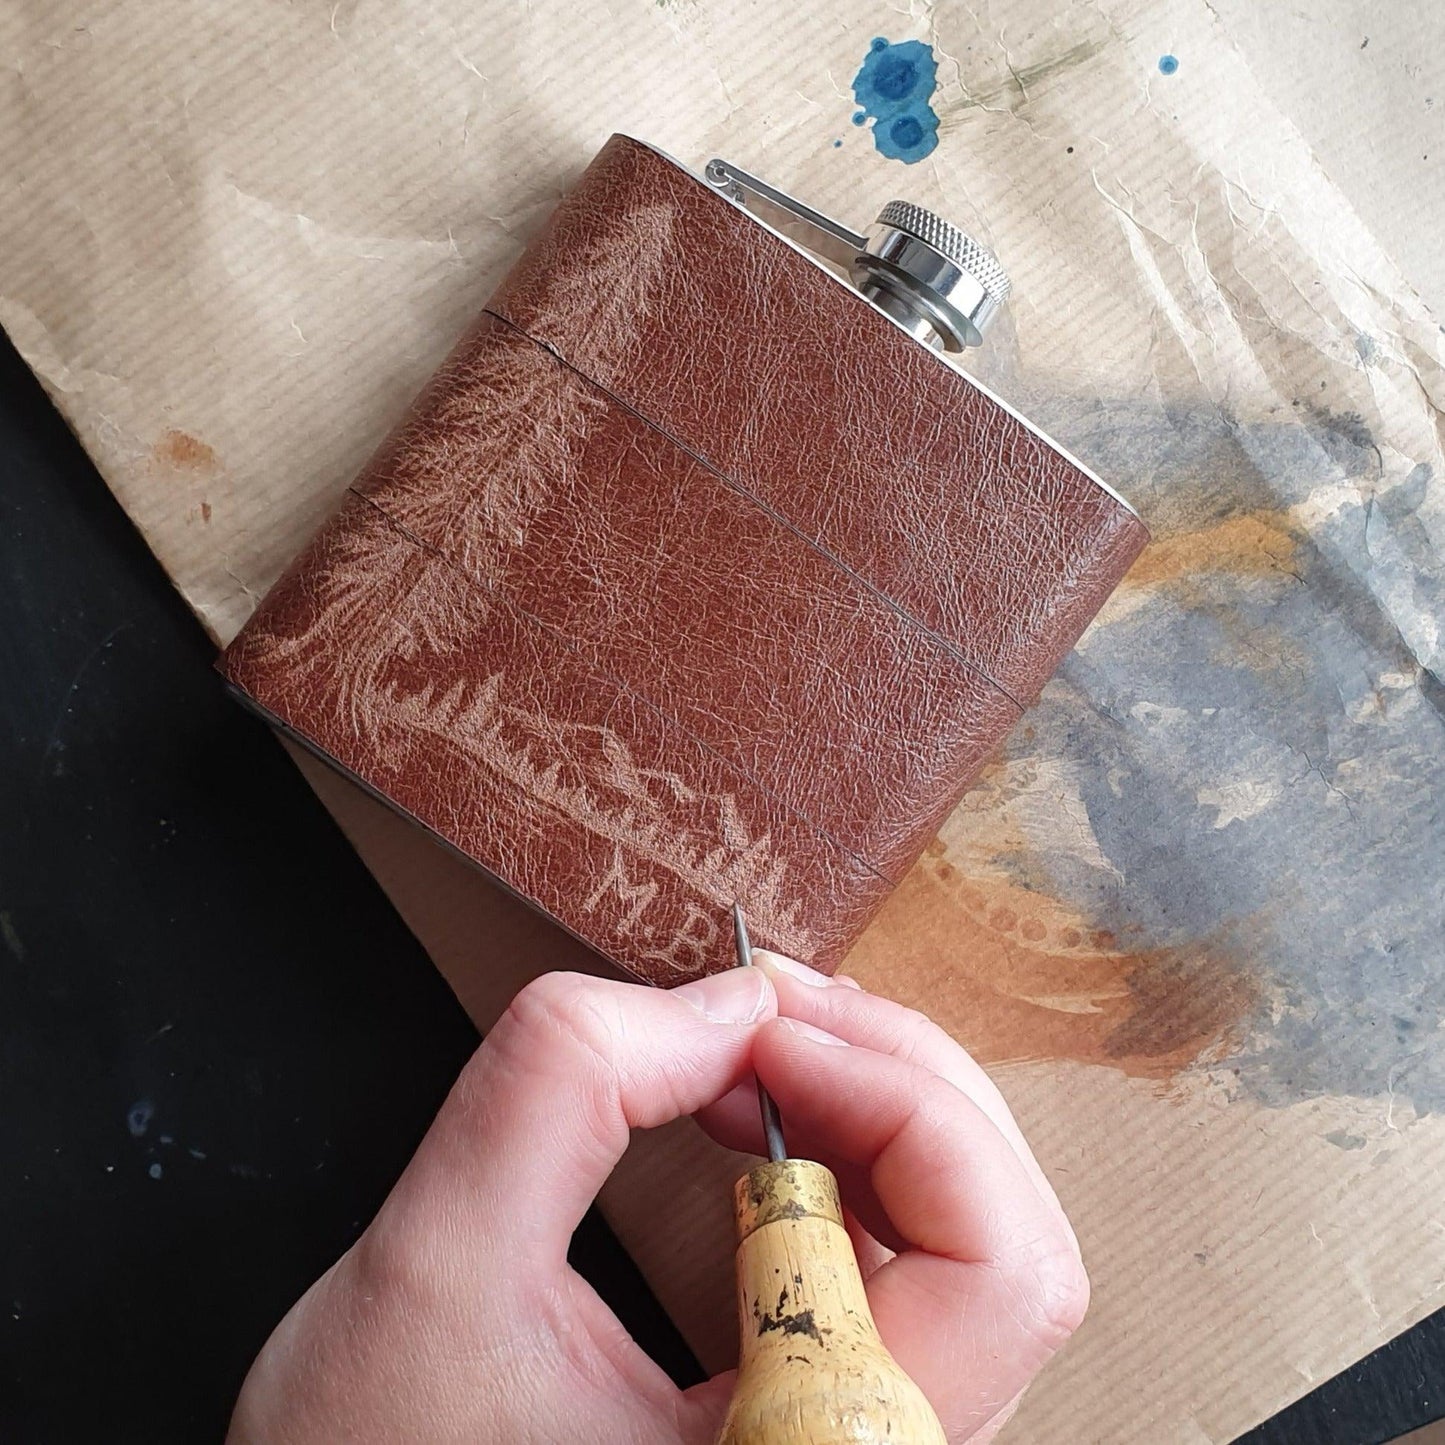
point(689, 578)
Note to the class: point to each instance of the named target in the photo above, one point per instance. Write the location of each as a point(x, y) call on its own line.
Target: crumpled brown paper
point(1191, 916)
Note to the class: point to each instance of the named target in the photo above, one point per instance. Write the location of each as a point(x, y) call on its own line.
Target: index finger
point(543, 1111)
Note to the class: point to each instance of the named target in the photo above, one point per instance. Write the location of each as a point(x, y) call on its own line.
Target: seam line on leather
point(670, 722)
point(776, 516)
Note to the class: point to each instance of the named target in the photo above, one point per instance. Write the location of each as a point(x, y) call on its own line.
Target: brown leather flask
point(657, 599)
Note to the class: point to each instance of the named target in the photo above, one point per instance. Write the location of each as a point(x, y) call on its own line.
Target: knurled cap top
point(958, 246)
point(937, 282)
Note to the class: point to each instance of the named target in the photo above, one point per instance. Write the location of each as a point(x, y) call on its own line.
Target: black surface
point(218, 1044)
point(1398, 1388)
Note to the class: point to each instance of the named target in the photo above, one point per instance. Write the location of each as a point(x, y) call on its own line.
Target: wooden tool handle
point(812, 1368)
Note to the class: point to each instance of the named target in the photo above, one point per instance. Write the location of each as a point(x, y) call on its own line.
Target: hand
point(456, 1316)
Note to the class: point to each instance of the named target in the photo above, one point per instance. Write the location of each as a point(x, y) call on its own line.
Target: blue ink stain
point(894, 86)
point(1168, 64)
point(907, 131)
point(836, 144)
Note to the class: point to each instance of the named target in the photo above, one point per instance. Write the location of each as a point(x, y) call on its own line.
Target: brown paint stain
point(205, 511)
point(1251, 544)
point(181, 450)
point(1009, 973)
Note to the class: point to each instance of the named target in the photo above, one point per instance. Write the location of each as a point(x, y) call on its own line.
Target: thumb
point(542, 1113)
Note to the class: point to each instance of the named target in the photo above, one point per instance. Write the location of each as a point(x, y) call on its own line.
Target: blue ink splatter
point(836, 144)
point(1168, 64)
point(894, 86)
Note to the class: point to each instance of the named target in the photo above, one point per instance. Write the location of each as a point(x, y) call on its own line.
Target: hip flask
point(696, 575)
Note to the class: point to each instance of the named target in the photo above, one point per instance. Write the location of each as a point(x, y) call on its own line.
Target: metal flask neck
point(934, 280)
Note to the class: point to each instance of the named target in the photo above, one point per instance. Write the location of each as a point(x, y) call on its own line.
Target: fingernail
point(779, 963)
point(847, 981)
point(738, 996)
point(807, 1031)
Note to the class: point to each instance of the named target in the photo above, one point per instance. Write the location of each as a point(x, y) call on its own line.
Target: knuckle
point(917, 1021)
point(941, 1105)
point(394, 1264)
point(563, 1032)
point(1068, 1294)
point(557, 1012)
point(1053, 1289)
point(915, 1032)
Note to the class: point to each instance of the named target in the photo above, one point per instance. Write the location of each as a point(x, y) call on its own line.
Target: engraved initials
point(636, 896)
point(689, 947)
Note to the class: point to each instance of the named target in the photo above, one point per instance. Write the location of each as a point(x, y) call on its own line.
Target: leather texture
point(869, 445)
point(689, 578)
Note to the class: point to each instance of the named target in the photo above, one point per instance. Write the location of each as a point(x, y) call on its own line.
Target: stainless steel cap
point(930, 277)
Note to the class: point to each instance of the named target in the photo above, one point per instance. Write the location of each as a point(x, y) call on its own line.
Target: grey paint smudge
point(1343, 1139)
point(1260, 737)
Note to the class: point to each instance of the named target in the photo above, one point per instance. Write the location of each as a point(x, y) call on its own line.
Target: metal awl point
point(772, 1125)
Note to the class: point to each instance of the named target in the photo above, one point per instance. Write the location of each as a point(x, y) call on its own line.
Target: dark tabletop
point(218, 1042)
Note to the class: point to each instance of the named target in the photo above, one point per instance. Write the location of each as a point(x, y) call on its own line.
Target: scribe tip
point(740, 937)
point(772, 1125)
